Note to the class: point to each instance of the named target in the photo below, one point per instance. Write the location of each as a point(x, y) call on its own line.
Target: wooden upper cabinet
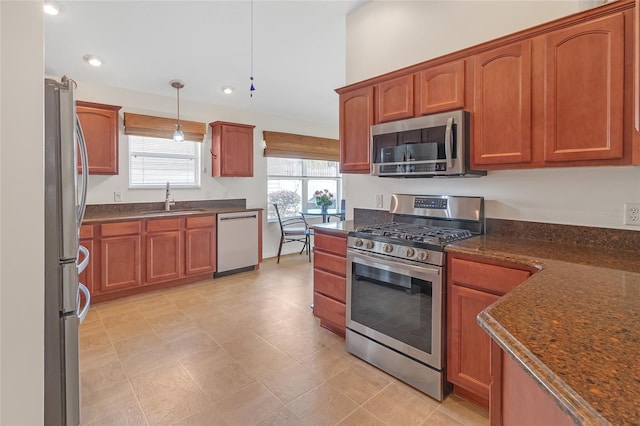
point(440, 88)
point(502, 103)
point(100, 126)
point(584, 77)
point(231, 149)
point(395, 99)
point(356, 119)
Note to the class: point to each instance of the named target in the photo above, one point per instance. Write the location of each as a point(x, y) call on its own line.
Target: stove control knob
point(388, 248)
point(410, 252)
point(423, 255)
point(370, 244)
point(359, 242)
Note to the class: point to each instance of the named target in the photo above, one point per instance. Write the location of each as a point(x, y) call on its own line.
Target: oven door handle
point(379, 259)
point(448, 143)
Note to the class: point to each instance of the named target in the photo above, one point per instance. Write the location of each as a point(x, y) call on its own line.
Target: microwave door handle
point(448, 143)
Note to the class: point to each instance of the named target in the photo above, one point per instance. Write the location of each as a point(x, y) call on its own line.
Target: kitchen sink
point(175, 211)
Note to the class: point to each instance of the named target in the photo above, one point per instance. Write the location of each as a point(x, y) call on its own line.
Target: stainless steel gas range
point(395, 286)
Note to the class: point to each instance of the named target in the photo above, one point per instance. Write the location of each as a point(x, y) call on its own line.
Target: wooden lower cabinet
point(200, 245)
point(120, 262)
point(472, 285)
point(163, 250)
point(134, 256)
point(517, 399)
point(329, 280)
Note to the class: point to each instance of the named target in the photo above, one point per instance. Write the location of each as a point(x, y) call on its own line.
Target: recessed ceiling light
point(227, 90)
point(92, 60)
point(52, 7)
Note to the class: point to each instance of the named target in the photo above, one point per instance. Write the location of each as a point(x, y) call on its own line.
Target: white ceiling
point(298, 50)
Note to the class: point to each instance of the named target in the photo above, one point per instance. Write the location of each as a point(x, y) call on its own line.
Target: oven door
point(397, 303)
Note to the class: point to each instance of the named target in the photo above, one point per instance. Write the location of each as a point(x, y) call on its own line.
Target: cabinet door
point(441, 88)
point(163, 256)
point(356, 119)
point(200, 251)
point(331, 312)
point(502, 103)
point(100, 128)
point(120, 262)
point(232, 150)
point(395, 99)
point(584, 68)
point(468, 347)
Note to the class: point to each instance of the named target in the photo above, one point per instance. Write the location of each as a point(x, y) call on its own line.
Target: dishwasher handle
point(253, 216)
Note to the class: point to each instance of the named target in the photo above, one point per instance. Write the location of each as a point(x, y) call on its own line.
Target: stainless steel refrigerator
point(65, 196)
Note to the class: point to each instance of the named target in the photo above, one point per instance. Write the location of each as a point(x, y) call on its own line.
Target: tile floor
point(239, 350)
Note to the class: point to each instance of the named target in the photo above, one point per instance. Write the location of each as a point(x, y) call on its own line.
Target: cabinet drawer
point(119, 228)
point(201, 222)
point(86, 231)
point(329, 310)
point(330, 285)
point(493, 278)
point(157, 225)
point(330, 243)
point(330, 262)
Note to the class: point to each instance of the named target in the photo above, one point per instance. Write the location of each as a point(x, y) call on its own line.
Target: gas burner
point(435, 235)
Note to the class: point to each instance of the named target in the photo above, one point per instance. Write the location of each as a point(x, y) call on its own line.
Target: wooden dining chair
point(294, 229)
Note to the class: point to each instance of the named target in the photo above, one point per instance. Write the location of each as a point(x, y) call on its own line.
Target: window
point(293, 181)
point(153, 162)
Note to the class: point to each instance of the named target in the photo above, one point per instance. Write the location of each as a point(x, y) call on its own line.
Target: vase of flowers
point(324, 199)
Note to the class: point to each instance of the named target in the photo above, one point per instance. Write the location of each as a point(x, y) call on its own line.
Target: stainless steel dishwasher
point(237, 242)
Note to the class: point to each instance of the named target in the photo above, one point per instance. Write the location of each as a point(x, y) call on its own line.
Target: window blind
point(160, 127)
point(154, 161)
point(289, 145)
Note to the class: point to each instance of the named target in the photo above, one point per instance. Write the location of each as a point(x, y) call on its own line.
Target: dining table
point(326, 214)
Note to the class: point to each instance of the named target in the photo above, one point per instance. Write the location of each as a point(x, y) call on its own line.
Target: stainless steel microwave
point(429, 146)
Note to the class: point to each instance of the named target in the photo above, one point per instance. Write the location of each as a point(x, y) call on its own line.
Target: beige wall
point(384, 36)
point(101, 188)
point(21, 213)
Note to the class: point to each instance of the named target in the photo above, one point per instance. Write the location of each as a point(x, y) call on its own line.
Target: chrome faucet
point(168, 203)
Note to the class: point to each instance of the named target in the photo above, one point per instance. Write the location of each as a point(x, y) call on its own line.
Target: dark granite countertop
point(135, 211)
point(574, 326)
point(341, 228)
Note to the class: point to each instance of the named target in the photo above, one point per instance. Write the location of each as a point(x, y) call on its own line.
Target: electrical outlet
point(379, 201)
point(117, 197)
point(632, 214)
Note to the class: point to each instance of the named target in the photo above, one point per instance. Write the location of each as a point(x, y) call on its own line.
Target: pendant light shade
point(178, 136)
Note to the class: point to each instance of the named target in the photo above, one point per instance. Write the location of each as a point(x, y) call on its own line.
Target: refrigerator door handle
point(85, 309)
point(83, 265)
point(84, 161)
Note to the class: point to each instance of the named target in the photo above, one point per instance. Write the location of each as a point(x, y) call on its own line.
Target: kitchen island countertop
point(574, 326)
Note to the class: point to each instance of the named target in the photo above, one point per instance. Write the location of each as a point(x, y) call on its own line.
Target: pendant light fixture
point(251, 88)
point(178, 136)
